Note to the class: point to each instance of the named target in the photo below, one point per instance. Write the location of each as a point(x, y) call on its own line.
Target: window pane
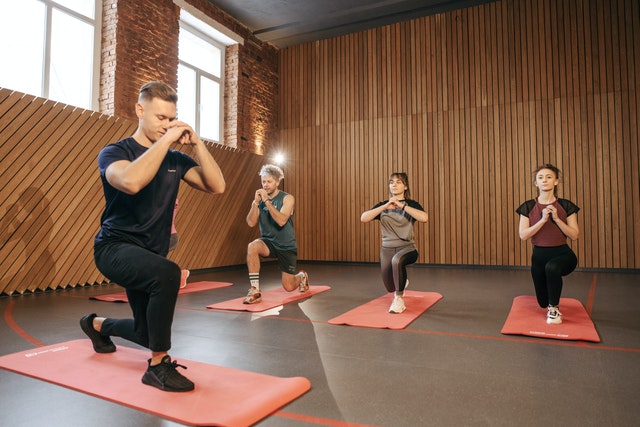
point(199, 53)
point(209, 109)
point(187, 96)
point(22, 47)
point(85, 7)
point(71, 60)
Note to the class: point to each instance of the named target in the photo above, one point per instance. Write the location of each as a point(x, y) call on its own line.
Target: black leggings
point(393, 262)
point(151, 282)
point(548, 265)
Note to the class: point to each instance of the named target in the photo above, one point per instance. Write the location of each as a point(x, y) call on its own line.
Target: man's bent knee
point(168, 275)
point(257, 247)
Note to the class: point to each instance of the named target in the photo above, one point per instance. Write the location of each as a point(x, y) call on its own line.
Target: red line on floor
point(592, 294)
point(317, 420)
point(8, 318)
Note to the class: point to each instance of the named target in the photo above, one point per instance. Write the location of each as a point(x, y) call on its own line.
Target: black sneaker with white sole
point(166, 377)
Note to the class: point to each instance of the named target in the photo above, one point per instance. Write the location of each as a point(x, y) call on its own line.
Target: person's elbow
point(220, 188)
point(122, 182)
point(217, 187)
point(210, 183)
point(128, 187)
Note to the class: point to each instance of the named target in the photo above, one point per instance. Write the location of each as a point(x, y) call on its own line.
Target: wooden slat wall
point(51, 197)
point(468, 103)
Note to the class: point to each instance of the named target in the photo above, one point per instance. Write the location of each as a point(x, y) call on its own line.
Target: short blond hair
point(272, 170)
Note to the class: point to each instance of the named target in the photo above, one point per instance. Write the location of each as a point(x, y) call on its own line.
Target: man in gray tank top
point(272, 209)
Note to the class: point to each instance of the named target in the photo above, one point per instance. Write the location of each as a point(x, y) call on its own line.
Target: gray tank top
point(283, 238)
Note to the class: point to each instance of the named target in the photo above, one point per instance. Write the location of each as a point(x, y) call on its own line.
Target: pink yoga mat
point(191, 287)
point(375, 314)
point(270, 299)
point(222, 397)
point(528, 318)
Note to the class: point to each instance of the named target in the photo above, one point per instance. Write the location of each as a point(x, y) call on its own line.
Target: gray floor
point(450, 367)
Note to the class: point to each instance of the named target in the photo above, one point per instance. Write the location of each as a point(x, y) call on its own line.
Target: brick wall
point(140, 43)
point(257, 97)
point(108, 56)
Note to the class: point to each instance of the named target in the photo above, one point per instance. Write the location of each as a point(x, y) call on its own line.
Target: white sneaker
point(304, 281)
point(253, 296)
point(183, 278)
point(397, 306)
point(553, 315)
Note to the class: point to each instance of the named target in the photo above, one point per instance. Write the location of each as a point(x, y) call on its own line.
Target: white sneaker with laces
point(253, 296)
point(304, 281)
point(397, 306)
point(554, 317)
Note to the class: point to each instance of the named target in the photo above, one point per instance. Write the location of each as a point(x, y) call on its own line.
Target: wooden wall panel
point(469, 103)
point(51, 197)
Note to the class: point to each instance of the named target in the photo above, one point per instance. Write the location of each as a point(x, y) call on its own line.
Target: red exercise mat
point(528, 318)
point(270, 299)
point(222, 396)
point(191, 287)
point(375, 314)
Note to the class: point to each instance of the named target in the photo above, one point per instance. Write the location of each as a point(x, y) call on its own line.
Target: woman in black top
point(548, 220)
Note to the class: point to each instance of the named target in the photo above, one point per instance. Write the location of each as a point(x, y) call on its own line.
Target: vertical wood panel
point(469, 103)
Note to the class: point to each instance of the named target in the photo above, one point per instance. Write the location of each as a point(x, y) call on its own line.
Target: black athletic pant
point(393, 262)
point(548, 265)
point(151, 282)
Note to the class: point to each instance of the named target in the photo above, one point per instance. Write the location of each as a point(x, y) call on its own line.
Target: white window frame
point(199, 24)
point(96, 23)
point(205, 73)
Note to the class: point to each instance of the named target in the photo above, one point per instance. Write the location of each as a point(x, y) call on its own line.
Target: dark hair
point(553, 169)
point(157, 90)
point(402, 176)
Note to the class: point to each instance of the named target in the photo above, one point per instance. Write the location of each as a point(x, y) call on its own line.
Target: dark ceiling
point(290, 22)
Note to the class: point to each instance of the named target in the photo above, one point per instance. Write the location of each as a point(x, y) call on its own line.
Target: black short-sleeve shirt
point(144, 218)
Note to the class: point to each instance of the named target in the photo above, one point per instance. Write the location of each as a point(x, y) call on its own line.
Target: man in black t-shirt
point(140, 177)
